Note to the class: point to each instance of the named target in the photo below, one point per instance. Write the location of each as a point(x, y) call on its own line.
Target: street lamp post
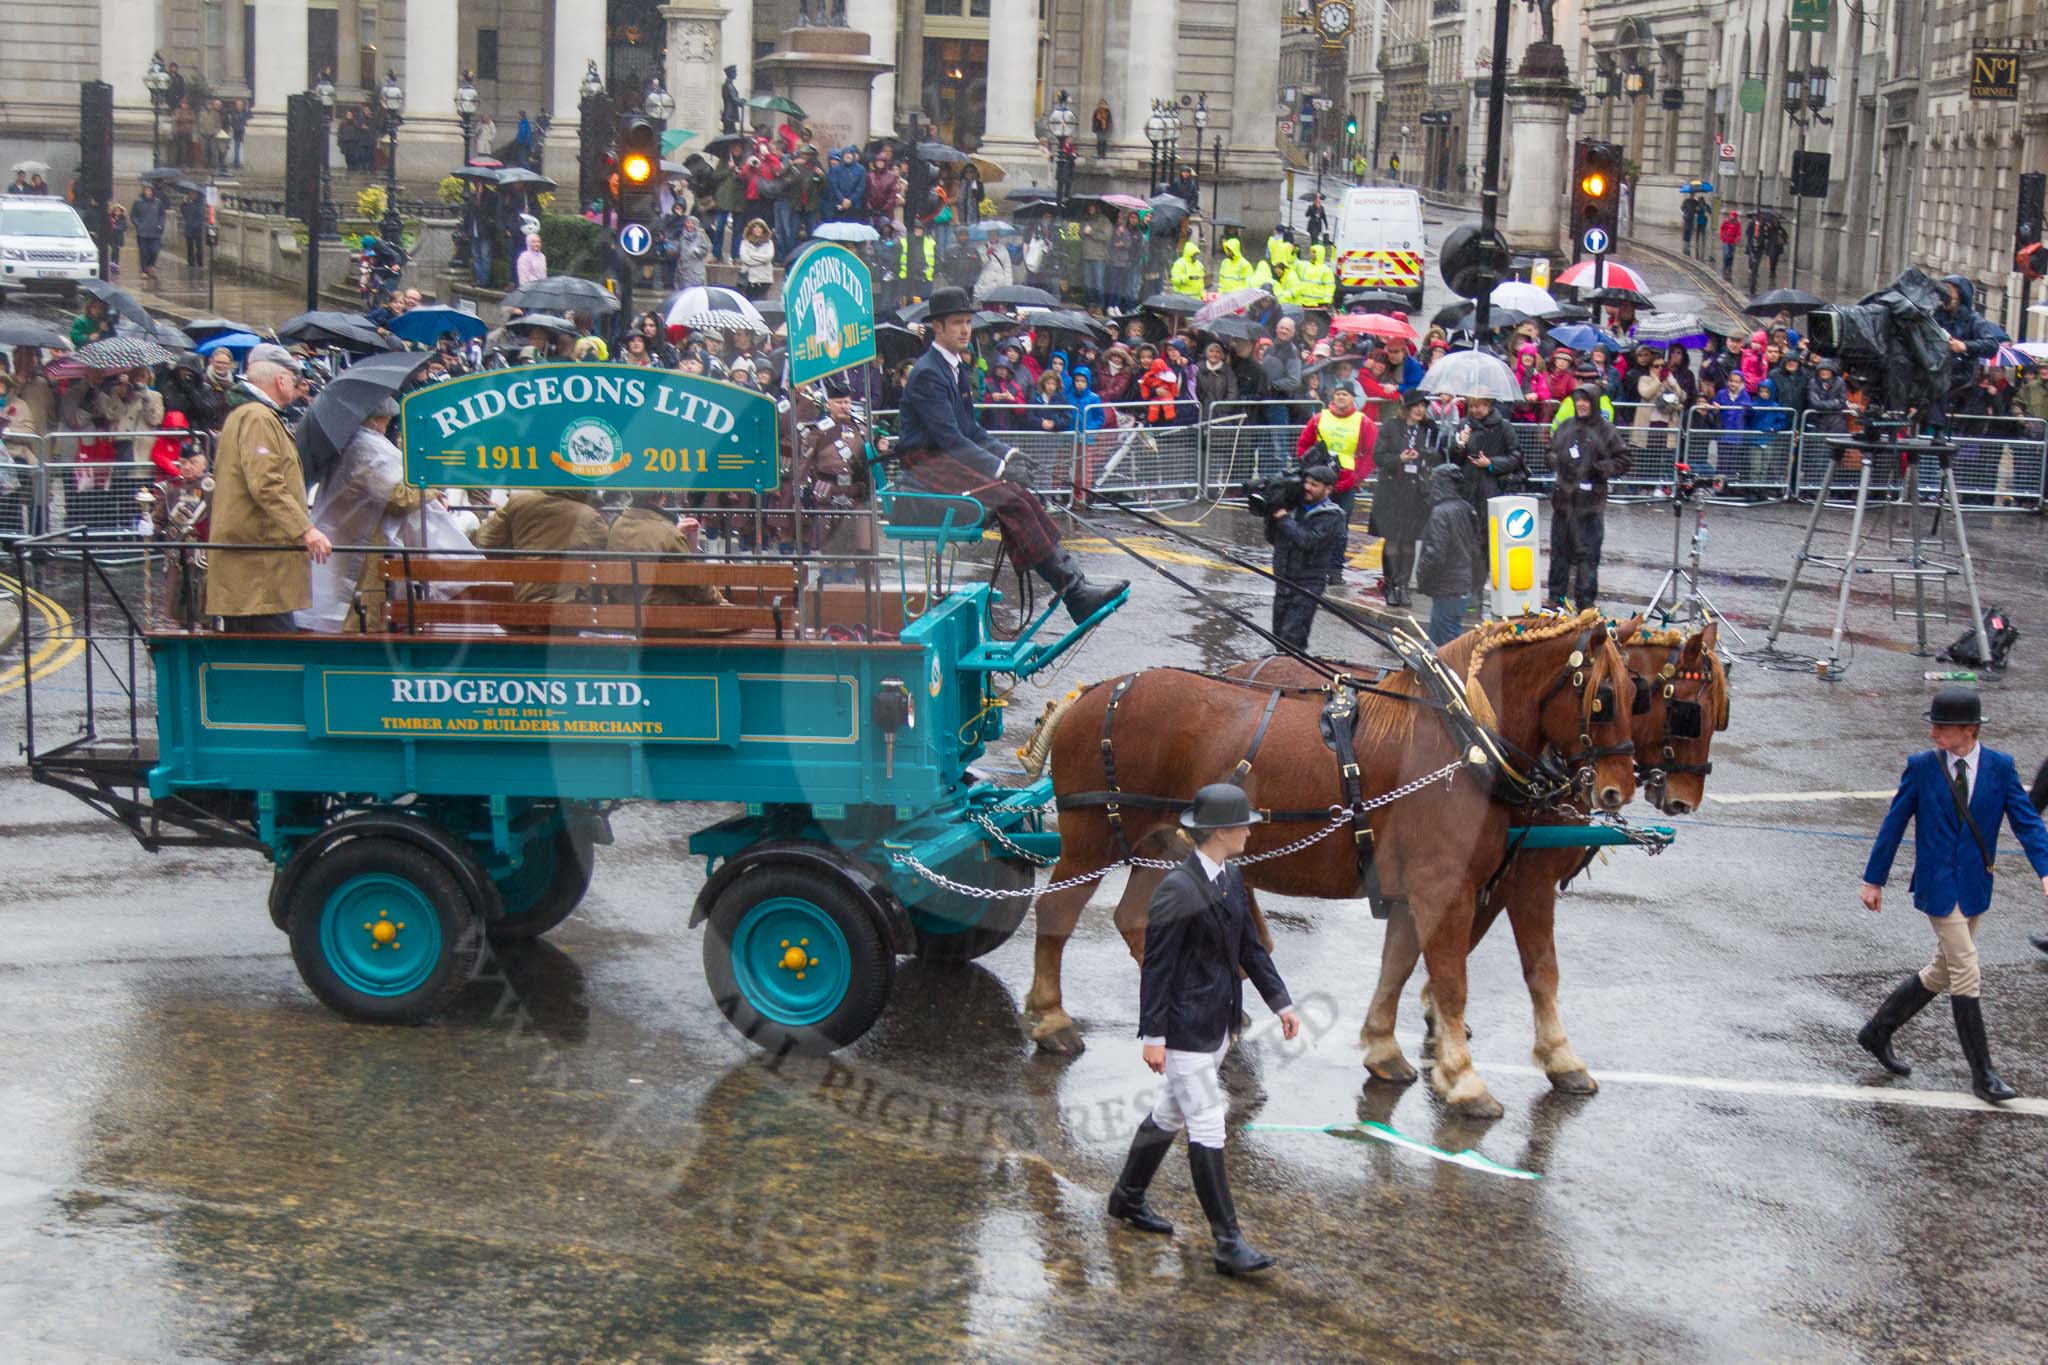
point(392, 96)
point(591, 112)
point(1173, 143)
point(465, 109)
point(1060, 122)
point(323, 210)
point(659, 104)
point(1806, 94)
point(1155, 134)
point(1216, 184)
point(158, 80)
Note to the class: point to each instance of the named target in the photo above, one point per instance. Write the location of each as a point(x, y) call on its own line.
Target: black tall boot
point(1907, 999)
point(1081, 597)
point(1984, 1082)
point(1127, 1201)
point(1234, 1256)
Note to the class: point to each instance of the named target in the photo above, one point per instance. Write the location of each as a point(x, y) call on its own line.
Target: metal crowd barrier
point(1161, 462)
point(98, 497)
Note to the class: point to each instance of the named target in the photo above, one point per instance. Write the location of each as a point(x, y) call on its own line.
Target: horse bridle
point(1577, 768)
point(1678, 719)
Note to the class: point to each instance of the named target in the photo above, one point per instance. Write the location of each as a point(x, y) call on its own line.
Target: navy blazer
point(938, 419)
point(1948, 869)
point(1189, 990)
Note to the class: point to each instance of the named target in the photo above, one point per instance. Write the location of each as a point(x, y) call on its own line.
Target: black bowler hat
point(947, 301)
point(1956, 706)
point(1220, 806)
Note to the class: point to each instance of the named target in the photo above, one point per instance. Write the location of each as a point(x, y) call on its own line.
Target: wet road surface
point(582, 1161)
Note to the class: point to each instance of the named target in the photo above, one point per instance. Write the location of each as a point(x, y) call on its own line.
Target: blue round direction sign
point(1597, 240)
point(634, 239)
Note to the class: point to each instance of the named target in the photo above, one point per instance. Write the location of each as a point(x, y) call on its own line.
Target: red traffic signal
point(2031, 260)
point(1596, 188)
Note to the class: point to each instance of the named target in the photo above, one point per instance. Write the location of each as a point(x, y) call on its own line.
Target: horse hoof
point(1061, 1042)
point(1574, 1082)
point(1394, 1071)
point(1480, 1106)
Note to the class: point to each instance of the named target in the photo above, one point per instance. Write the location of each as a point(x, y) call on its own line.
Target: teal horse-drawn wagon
point(443, 777)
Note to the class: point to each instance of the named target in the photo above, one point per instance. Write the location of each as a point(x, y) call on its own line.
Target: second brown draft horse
point(1128, 753)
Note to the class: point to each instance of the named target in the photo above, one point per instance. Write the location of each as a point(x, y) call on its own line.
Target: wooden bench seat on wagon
point(759, 596)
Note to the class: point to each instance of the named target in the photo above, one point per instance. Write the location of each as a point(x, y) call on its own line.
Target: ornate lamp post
point(1155, 133)
point(465, 109)
point(391, 96)
point(591, 114)
point(1202, 128)
point(323, 227)
point(1061, 123)
point(1172, 141)
point(158, 80)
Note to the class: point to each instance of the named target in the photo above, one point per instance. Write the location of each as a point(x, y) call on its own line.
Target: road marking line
point(1774, 798)
point(61, 645)
point(1813, 1090)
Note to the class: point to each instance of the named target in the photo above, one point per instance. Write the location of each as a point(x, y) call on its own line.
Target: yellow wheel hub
point(796, 958)
point(383, 930)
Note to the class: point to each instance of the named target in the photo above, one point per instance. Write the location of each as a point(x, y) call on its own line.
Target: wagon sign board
point(589, 426)
point(829, 303)
point(490, 704)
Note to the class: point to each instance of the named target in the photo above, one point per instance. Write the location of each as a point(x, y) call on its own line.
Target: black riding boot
point(1234, 1256)
point(1984, 1082)
point(1127, 1200)
point(1907, 999)
point(1081, 597)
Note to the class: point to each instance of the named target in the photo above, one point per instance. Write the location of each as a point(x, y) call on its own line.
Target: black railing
point(274, 206)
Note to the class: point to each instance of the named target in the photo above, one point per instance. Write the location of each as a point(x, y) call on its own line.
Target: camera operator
point(1484, 449)
point(1971, 340)
point(1585, 453)
point(1304, 540)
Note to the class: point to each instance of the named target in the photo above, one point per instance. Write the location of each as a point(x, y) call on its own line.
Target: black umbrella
point(1462, 315)
point(1172, 303)
point(1783, 301)
point(322, 327)
point(162, 333)
point(116, 298)
point(941, 154)
point(1568, 312)
point(897, 344)
point(160, 173)
point(547, 322)
point(1067, 322)
point(520, 175)
point(1037, 208)
point(484, 175)
point(564, 294)
point(1613, 296)
point(916, 312)
point(16, 330)
point(982, 321)
point(1024, 194)
point(718, 146)
point(1022, 295)
point(339, 408)
point(1234, 329)
point(199, 329)
point(1168, 211)
point(1376, 301)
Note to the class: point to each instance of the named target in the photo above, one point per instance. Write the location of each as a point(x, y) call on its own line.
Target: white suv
point(44, 243)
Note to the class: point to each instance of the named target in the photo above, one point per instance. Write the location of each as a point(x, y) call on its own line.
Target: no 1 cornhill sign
point(589, 426)
point(829, 304)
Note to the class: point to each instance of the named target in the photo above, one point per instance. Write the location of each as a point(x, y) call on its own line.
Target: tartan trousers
point(1028, 532)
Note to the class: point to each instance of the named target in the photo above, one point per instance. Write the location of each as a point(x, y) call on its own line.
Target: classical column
point(233, 53)
point(1152, 65)
point(130, 32)
point(877, 18)
point(696, 64)
point(1252, 161)
point(579, 40)
point(280, 54)
point(736, 48)
point(431, 139)
point(1010, 136)
point(349, 76)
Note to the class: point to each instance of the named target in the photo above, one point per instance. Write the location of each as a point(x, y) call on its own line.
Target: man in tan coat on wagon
point(259, 498)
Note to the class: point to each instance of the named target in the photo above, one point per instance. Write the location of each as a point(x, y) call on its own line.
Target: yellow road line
point(61, 645)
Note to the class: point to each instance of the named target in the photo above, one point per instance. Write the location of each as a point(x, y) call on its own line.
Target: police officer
point(1198, 937)
point(1956, 794)
point(1303, 540)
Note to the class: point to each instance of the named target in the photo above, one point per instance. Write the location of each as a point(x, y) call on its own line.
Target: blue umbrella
point(982, 232)
point(1583, 337)
point(238, 342)
point(425, 325)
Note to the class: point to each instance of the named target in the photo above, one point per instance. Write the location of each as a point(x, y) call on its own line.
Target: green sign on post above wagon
point(828, 301)
point(590, 426)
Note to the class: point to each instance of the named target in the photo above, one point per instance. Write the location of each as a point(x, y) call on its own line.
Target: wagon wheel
point(545, 888)
point(382, 932)
point(794, 962)
point(955, 928)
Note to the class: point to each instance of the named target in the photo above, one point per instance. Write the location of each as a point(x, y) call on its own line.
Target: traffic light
point(1596, 190)
point(2031, 260)
point(639, 163)
point(2027, 226)
point(1351, 126)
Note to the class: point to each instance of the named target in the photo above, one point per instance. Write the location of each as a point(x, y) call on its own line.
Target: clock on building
point(1334, 19)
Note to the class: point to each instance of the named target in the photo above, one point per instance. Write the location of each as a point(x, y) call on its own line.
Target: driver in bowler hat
point(1956, 795)
point(1199, 933)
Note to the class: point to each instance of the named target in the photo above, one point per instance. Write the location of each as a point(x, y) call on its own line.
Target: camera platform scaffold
point(1879, 439)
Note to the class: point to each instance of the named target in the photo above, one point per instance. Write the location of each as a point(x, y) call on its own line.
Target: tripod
point(1881, 438)
point(1689, 601)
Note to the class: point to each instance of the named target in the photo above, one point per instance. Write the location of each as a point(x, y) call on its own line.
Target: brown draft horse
point(1671, 773)
point(1173, 731)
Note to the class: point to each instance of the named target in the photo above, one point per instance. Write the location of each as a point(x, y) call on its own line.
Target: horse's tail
point(1038, 748)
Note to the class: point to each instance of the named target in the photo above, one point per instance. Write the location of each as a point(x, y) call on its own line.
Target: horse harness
point(1682, 719)
point(1576, 769)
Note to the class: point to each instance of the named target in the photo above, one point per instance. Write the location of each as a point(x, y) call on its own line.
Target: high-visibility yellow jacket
point(1188, 274)
point(1233, 271)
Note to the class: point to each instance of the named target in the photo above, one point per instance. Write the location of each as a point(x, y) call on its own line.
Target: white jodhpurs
point(1192, 1097)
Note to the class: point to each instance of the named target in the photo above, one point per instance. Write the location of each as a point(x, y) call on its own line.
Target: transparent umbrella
point(1473, 374)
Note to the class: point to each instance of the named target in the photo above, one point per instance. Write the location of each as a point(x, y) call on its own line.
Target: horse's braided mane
point(1491, 635)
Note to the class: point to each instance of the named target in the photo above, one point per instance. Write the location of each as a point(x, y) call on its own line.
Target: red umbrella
point(1380, 325)
point(1615, 276)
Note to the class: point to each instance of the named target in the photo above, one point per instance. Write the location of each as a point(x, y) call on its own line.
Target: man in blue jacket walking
point(1956, 795)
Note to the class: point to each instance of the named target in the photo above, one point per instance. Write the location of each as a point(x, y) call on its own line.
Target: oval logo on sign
point(594, 448)
point(1521, 523)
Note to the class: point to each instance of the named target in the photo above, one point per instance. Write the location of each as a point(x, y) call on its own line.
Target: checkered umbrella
point(719, 320)
point(711, 298)
point(123, 353)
